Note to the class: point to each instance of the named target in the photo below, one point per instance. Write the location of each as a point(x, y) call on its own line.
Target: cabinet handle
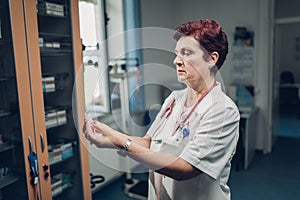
point(42, 142)
point(30, 144)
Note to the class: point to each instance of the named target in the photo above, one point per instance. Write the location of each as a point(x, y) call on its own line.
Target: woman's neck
point(194, 93)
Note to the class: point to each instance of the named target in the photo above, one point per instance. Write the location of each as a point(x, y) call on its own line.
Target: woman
point(190, 144)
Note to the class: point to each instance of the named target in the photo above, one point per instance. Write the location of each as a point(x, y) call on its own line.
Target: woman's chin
point(181, 79)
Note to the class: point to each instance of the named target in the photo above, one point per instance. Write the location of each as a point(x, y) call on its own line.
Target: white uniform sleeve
point(214, 141)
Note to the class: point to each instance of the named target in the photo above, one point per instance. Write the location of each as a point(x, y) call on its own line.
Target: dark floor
point(114, 191)
point(289, 126)
point(275, 176)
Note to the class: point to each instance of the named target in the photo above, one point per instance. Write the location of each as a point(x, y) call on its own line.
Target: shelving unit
point(37, 79)
point(58, 77)
point(13, 169)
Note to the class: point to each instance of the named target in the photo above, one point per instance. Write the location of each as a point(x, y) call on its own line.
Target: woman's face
point(190, 65)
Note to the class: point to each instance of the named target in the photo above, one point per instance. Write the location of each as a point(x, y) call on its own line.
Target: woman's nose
point(178, 61)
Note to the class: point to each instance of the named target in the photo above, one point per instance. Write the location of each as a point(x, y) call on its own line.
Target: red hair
point(209, 34)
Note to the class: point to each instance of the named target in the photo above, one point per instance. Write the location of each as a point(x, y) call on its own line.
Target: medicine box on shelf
point(55, 155)
point(48, 84)
point(67, 150)
point(55, 117)
point(60, 152)
point(60, 182)
point(50, 9)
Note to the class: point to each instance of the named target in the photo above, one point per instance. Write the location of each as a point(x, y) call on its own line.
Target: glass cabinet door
point(14, 169)
point(51, 49)
point(55, 40)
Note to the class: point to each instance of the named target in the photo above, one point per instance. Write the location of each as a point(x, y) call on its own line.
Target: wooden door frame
point(80, 100)
point(23, 84)
point(31, 24)
point(38, 98)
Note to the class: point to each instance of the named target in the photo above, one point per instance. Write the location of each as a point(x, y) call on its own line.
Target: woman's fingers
point(97, 126)
point(90, 133)
point(96, 133)
point(87, 129)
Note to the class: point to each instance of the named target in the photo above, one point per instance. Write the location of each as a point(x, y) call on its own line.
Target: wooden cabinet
point(14, 108)
point(42, 108)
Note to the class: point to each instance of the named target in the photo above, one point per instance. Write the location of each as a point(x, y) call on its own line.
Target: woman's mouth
point(180, 71)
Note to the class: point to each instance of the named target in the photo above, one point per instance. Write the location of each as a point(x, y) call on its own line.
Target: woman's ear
point(215, 56)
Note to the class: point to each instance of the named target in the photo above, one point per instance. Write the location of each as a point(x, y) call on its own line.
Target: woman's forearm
point(139, 150)
point(143, 141)
point(163, 163)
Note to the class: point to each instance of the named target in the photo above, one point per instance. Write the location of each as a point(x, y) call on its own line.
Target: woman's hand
point(97, 133)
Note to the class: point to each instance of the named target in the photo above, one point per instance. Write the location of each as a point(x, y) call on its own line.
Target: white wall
point(157, 13)
point(231, 13)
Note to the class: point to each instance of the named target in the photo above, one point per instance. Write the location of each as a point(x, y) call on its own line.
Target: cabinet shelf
point(3, 79)
point(5, 147)
point(54, 35)
point(54, 52)
point(4, 113)
point(8, 180)
point(53, 16)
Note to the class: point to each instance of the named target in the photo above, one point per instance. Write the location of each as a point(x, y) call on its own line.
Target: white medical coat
point(210, 146)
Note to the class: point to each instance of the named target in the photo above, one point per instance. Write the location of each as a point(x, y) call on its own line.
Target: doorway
point(286, 98)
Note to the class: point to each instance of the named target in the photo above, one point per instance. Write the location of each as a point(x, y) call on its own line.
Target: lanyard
point(181, 124)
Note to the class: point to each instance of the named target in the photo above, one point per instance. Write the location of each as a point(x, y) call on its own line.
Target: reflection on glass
point(94, 57)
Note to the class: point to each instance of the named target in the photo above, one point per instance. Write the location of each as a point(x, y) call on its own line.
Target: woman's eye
point(186, 53)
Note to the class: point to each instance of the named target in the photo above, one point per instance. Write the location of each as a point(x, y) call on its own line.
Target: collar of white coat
point(209, 100)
